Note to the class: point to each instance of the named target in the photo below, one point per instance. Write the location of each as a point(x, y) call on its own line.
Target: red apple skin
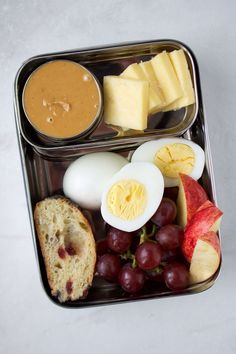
point(205, 205)
point(193, 195)
point(199, 225)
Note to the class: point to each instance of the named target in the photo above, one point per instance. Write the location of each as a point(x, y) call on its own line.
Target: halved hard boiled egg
point(132, 196)
point(172, 156)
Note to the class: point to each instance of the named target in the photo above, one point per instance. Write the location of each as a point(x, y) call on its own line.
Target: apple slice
point(215, 227)
point(206, 219)
point(206, 257)
point(205, 205)
point(190, 197)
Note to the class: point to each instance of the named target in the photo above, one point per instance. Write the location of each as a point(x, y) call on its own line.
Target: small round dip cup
point(62, 101)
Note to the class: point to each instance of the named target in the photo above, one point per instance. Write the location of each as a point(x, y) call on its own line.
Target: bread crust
point(67, 245)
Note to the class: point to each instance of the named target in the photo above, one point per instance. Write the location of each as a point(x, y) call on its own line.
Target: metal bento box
point(44, 164)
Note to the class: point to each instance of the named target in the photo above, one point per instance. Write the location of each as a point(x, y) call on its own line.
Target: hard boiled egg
point(172, 156)
point(132, 196)
point(86, 177)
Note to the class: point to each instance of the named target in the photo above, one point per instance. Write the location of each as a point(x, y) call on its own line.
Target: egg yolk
point(127, 199)
point(173, 159)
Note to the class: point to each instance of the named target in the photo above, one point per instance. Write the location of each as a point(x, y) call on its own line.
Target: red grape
point(108, 266)
point(176, 276)
point(166, 213)
point(135, 243)
point(148, 255)
point(118, 240)
point(155, 275)
point(131, 279)
point(170, 236)
point(101, 247)
point(170, 255)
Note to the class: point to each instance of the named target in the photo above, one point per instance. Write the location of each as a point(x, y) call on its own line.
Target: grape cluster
point(153, 253)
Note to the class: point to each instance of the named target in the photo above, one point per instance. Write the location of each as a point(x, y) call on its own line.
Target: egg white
point(86, 177)
point(145, 173)
point(147, 151)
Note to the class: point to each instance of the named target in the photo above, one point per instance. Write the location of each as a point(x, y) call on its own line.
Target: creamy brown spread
point(61, 99)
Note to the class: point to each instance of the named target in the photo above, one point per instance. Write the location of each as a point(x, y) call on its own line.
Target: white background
point(29, 322)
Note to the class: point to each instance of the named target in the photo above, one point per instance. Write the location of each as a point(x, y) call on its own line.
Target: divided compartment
point(44, 167)
point(110, 60)
point(44, 178)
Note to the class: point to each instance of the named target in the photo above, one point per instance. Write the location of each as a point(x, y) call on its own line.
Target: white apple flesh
point(206, 258)
point(190, 197)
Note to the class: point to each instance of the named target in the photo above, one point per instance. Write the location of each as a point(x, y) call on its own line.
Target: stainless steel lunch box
point(44, 165)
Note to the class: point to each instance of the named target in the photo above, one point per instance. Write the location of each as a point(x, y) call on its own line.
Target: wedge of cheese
point(126, 102)
point(148, 71)
point(180, 65)
point(134, 71)
point(166, 77)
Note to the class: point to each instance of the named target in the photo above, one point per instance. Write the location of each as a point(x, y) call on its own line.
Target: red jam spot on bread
point(85, 293)
point(61, 252)
point(69, 286)
point(70, 250)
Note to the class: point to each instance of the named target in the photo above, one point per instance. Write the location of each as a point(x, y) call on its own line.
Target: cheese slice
point(180, 65)
point(166, 76)
point(134, 71)
point(126, 102)
point(148, 71)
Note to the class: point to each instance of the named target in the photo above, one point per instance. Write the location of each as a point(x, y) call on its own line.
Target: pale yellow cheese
point(134, 71)
point(180, 65)
point(166, 77)
point(126, 102)
point(148, 71)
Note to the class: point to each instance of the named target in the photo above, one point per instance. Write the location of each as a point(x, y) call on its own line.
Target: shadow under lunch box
point(44, 164)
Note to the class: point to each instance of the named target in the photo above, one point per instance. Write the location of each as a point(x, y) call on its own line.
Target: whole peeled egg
point(172, 156)
point(132, 196)
point(85, 178)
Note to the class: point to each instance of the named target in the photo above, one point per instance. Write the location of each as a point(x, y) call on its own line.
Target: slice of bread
point(68, 247)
